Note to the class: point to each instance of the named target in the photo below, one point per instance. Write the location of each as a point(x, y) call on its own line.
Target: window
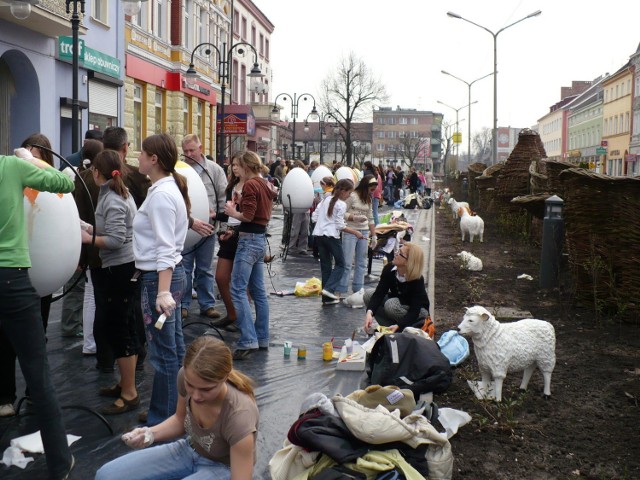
point(380, 134)
point(637, 89)
point(380, 147)
point(392, 121)
point(202, 26)
point(253, 35)
point(626, 122)
point(236, 22)
point(186, 35)
point(142, 18)
point(159, 112)
point(261, 46)
point(617, 91)
point(234, 82)
point(186, 115)
point(138, 90)
point(403, 121)
point(199, 119)
point(381, 120)
point(266, 48)
point(159, 19)
point(622, 89)
point(243, 84)
point(243, 28)
point(402, 134)
point(100, 10)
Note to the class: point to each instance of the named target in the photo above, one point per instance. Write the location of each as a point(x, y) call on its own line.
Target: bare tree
point(481, 143)
point(411, 148)
point(448, 164)
point(349, 94)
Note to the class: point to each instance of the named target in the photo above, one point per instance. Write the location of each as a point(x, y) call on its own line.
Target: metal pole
point(469, 129)
point(294, 114)
point(222, 67)
point(494, 133)
point(321, 126)
point(75, 104)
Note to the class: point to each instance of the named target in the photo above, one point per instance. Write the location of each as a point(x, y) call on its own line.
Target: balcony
point(49, 18)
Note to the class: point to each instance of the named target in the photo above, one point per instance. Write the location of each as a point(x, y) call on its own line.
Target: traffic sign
point(601, 151)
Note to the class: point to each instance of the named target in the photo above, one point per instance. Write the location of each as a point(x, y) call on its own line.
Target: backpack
point(409, 361)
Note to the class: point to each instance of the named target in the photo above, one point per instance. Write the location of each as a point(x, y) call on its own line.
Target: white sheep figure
point(455, 206)
point(470, 225)
point(469, 261)
point(510, 347)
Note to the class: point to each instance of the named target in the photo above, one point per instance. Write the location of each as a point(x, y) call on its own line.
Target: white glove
point(165, 303)
point(22, 153)
point(140, 437)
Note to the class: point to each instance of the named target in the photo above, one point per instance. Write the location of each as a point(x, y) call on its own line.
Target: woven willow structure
point(474, 171)
point(602, 225)
point(485, 184)
point(513, 180)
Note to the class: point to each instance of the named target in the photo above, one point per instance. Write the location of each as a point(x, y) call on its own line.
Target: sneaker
point(7, 410)
point(211, 313)
point(242, 354)
point(330, 302)
point(231, 328)
point(328, 294)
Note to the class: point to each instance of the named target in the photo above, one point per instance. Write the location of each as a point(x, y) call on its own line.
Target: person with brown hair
point(159, 232)
point(114, 289)
point(218, 413)
point(254, 212)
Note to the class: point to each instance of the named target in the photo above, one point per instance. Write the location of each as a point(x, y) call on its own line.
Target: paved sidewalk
point(281, 383)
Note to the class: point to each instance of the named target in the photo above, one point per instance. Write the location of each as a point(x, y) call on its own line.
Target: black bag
point(409, 361)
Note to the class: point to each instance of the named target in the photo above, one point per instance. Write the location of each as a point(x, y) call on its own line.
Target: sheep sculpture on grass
point(510, 347)
point(471, 226)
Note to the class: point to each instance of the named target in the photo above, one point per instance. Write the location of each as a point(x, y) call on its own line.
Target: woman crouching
point(400, 300)
point(217, 411)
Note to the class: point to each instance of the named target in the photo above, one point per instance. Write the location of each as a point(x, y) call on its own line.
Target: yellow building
point(616, 123)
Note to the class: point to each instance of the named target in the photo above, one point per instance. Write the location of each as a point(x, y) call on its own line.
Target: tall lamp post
point(457, 110)
point(494, 132)
point(223, 69)
point(468, 84)
point(295, 100)
point(321, 125)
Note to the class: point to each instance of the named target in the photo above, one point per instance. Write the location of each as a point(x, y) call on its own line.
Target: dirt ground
point(590, 428)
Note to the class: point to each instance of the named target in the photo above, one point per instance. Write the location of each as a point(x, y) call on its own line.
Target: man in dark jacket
point(76, 158)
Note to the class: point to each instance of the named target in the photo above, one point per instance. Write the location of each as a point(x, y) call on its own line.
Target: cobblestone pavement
point(282, 383)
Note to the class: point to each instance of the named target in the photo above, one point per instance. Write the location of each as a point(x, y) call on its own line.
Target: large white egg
point(53, 229)
point(318, 174)
point(348, 173)
point(297, 191)
point(197, 196)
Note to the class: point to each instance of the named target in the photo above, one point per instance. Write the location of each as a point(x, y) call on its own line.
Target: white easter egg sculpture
point(53, 229)
point(297, 191)
point(197, 196)
point(347, 173)
point(318, 174)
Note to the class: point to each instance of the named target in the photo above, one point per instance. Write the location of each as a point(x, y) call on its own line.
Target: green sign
point(601, 151)
point(88, 57)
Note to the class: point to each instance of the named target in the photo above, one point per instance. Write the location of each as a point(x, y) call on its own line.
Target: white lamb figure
point(469, 261)
point(455, 206)
point(470, 225)
point(510, 347)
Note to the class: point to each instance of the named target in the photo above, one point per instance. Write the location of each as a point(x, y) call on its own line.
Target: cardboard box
point(355, 361)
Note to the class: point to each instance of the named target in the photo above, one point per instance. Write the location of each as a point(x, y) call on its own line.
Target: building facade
point(633, 163)
point(616, 126)
point(407, 137)
point(36, 73)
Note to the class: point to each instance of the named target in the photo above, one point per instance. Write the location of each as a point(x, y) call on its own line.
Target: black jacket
point(412, 294)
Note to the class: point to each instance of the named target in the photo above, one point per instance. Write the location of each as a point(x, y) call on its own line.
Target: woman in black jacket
point(400, 300)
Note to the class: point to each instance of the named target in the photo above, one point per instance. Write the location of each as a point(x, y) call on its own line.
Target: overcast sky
point(408, 42)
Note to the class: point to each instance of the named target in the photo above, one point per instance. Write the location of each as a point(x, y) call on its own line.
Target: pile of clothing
point(376, 433)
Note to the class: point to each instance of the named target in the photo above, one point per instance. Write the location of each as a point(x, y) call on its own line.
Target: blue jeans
point(164, 462)
point(166, 346)
point(358, 249)
point(248, 273)
point(21, 320)
point(330, 248)
point(375, 202)
point(202, 253)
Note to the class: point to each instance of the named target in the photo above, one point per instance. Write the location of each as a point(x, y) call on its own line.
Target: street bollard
point(552, 239)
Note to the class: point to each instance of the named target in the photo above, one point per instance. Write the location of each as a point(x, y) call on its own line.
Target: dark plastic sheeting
point(282, 383)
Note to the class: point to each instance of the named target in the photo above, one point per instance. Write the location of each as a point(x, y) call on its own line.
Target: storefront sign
point(238, 124)
point(88, 57)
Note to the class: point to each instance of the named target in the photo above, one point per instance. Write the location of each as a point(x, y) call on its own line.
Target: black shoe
point(220, 322)
point(231, 327)
point(242, 354)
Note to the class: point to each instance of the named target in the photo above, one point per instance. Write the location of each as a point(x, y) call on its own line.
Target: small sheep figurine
point(456, 206)
point(471, 225)
point(470, 261)
point(510, 347)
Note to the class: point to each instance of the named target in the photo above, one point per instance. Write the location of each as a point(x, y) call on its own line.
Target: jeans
point(21, 320)
point(166, 346)
point(299, 240)
point(328, 248)
point(202, 253)
point(358, 248)
point(169, 461)
point(71, 319)
point(375, 202)
point(248, 273)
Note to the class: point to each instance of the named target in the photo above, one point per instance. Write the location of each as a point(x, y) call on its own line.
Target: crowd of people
point(136, 279)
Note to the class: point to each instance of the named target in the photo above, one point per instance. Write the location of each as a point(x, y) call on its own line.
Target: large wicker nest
point(553, 169)
point(538, 180)
point(534, 204)
point(477, 168)
point(513, 180)
point(488, 177)
point(602, 223)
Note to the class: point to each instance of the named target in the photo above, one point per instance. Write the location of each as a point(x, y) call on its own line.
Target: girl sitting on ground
point(218, 413)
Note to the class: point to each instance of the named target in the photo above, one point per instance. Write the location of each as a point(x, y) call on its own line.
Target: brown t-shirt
point(238, 418)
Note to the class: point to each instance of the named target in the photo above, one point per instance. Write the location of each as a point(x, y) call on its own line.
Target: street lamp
point(295, 100)
point(321, 125)
point(224, 70)
point(457, 110)
point(469, 112)
point(494, 132)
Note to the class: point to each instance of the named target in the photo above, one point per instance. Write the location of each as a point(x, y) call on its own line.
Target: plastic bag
point(310, 288)
point(454, 346)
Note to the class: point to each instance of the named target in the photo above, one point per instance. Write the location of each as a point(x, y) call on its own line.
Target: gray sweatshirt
point(114, 222)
